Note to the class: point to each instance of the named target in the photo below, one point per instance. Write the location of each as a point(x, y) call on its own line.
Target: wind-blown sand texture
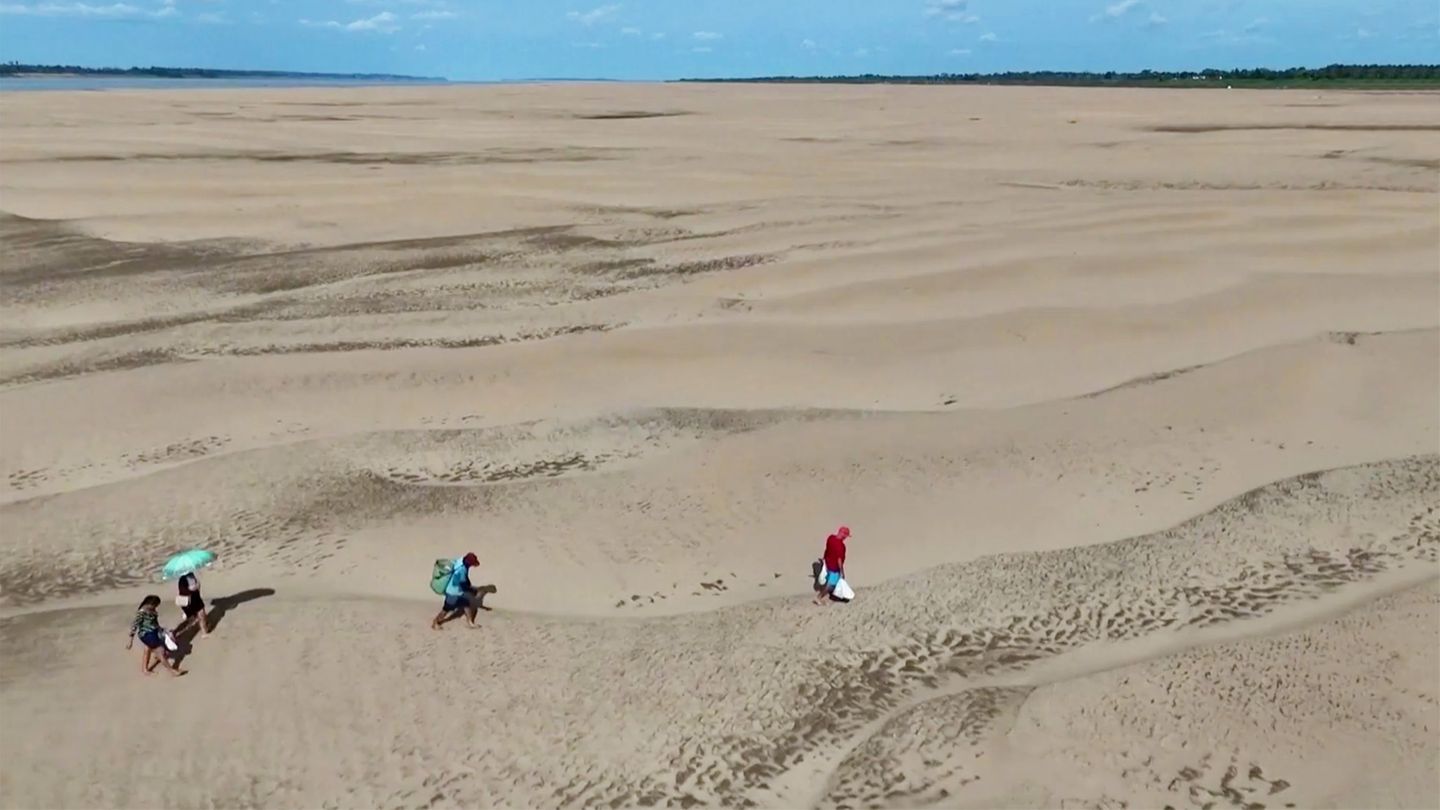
point(1131, 398)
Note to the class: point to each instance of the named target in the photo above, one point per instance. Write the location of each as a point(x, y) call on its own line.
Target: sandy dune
point(1132, 399)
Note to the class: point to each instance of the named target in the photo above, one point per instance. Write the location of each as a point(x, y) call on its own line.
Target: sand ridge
point(1129, 396)
point(1276, 552)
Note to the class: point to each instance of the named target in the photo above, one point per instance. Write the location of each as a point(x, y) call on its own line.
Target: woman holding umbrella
point(182, 567)
point(191, 604)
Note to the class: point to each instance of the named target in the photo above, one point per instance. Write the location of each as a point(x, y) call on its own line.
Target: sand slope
point(1131, 399)
point(778, 703)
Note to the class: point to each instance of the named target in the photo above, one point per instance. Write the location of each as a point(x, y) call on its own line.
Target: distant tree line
point(1331, 74)
point(20, 69)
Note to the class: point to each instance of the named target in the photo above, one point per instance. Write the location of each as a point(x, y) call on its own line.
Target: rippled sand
point(1130, 398)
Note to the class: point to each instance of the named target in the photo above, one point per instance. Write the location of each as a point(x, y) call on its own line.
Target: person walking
point(834, 563)
point(460, 594)
point(190, 602)
point(146, 626)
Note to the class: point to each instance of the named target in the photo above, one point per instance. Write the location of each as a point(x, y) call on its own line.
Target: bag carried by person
point(843, 591)
point(440, 576)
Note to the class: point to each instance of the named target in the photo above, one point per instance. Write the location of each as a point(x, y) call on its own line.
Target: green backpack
point(440, 576)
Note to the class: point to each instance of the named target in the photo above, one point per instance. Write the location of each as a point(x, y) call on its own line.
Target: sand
point(1132, 399)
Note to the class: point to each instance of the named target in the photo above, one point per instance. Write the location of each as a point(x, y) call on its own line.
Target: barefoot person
point(147, 627)
point(191, 604)
point(460, 595)
point(834, 563)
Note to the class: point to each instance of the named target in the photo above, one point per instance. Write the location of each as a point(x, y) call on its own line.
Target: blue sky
point(650, 39)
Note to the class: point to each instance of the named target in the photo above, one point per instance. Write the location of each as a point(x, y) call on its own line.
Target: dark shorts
point(194, 606)
point(457, 602)
point(152, 640)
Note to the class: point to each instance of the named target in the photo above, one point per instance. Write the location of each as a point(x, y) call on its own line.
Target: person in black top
point(191, 604)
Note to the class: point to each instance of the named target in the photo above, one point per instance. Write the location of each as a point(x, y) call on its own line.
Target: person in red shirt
point(834, 563)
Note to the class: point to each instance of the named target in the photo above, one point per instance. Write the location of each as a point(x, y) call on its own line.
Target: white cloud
point(808, 44)
point(707, 36)
point(1249, 35)
point(657, 35)
point(106, 10)
point(631, 32)
point(862, 52)
point(960, 51)
point(1156, 20)
point(383, 23)
point(421, 47)
point(1116, 10)
point(1364, 33)
point(939, 8)
point(702, 49)
point(956, 11)
point(594, 15)
point(989, 36)
point(439, 14)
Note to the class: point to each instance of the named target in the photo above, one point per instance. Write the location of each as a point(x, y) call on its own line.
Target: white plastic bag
point(843, 591)
point(822, 576)
point(170, 643)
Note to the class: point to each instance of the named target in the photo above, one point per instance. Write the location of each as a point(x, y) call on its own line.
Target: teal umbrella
point(187, 562)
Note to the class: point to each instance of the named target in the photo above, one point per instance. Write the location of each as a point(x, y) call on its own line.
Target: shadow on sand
point(815, 567)
point(216, 611)
point(480, 594)
point(224, 604)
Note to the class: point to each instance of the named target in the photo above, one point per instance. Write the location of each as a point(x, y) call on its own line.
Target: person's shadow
point(224, 604)
point(482, 592)
point(815, 585)
point(216, 611)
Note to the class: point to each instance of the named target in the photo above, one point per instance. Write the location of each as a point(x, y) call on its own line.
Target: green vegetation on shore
point(17, 69)
point(1362, 77)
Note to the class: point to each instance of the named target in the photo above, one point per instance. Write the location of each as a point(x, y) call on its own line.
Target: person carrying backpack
point(460, 594)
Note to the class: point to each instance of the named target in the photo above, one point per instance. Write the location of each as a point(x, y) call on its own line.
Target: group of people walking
point(462, 598)
point(160, 645)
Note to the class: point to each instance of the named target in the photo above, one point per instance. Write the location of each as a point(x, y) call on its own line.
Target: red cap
point(471, 559)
